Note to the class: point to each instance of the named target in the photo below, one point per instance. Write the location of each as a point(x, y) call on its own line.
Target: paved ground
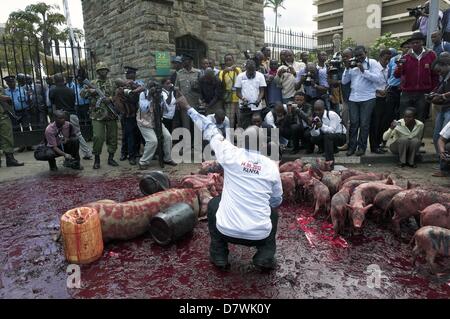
point(311, 264)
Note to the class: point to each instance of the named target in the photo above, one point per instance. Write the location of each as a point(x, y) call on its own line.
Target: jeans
point(415, 100)
point(445, 166)
point(360, 115)
point(392, 105)
point(442, 118)
point(294, 132)
point(266, 248)
point(87, 152)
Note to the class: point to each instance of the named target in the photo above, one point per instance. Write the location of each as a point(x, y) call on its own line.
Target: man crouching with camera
point(246, 213)
point(61, 140)
point(328, 131)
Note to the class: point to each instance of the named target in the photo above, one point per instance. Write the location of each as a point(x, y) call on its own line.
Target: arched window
point(188, 44)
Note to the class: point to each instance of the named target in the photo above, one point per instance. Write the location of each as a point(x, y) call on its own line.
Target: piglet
point(435, 215)
point(367, 177)
point(382, 200)
point(408, 203)
point(432, 241)
point(295, 166)
point(321, 193)
point(289, 189)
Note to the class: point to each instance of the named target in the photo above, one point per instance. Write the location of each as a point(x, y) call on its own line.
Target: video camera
point(154, 88)
point(417, 11)
point(309, 79)
point(353, 62)
point(248, 56)
point(335, 66)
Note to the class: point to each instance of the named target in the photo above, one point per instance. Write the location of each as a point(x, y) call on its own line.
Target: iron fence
point(279, 39)
point(37, 63)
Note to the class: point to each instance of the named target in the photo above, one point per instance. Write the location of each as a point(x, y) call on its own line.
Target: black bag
point(44, 153)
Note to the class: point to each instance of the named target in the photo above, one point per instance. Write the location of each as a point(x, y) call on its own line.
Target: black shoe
point(76, 166)
point(171, 163)
point(97, 162)
point(11, 161)
point(30, 148)
point(401, 165)
point(377, 151)
point(309, 151)
point(132, 161)
point(111, 161)
point(350, 153)
point(21, 149)
point(54, 169)
point(123, 157)
point(221, 263)
point(360, 153)
point(143, 167)
point(320, 151)
point(295, 151)
point(87, 158)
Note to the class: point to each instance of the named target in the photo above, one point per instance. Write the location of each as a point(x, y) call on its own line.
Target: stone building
point(128, 32)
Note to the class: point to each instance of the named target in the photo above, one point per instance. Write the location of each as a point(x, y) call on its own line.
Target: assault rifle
point(8, 108)
point(111, 107)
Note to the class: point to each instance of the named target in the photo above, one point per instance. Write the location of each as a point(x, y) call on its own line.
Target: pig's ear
point(349, 206)
point(389, 181)
point(420, 212)
point(368, 207)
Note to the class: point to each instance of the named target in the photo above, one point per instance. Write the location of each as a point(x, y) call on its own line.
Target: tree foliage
point(386, 41)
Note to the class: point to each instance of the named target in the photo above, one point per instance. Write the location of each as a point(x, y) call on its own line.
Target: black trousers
point(294, 132)
point(329, 143)
point(380, 119)
point(130, 141)
point(72, 148)
point(245, 116)
point(25, 120)
point(168, 124)
point(266, 248)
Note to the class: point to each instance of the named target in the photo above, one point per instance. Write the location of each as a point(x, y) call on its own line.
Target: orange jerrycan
point(82, 235)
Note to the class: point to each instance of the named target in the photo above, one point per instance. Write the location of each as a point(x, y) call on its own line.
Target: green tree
point(386, 41)
point(348, 43)
point(37, 21)
point(275, 5)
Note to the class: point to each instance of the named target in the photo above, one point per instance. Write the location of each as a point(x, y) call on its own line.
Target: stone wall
point(127, 32)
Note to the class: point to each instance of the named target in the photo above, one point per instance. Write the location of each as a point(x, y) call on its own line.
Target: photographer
point(327, 131)
point(61, 137)
point(250, 88)
point(422, 13)
point(303, 116)
point(444, 152)
point(365, 76)
point(417, 76)
point(284, 119)
point(406, 138)
point(228, 78)
point(314, 81)
point(380, 117)
point(210, 92)
point(286, 79)
point(146, 123)
point(441, 98)
point(335, 70)
point(170, 103)
point(126, 99)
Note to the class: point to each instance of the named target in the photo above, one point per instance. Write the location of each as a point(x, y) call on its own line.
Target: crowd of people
point(345, 102)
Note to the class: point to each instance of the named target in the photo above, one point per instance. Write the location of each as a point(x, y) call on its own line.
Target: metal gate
point(35, 69)
point(189, 45)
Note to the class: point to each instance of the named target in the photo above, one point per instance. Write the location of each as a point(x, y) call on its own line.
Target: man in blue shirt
point(18, 97)
point(365, 78)
point(439, 45)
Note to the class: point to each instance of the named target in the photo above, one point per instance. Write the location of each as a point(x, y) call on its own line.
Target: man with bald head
point(245, 214)
point(327, 131)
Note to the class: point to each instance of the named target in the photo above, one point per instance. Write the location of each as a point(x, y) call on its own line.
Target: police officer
point(104, 122)
point(6, 132)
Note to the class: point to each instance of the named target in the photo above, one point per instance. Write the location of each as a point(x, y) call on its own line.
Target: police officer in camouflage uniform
point(6, 132)
point(104, 122)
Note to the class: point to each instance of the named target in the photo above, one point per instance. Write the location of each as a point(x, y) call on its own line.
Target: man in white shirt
point(365, 79)
point(250, 87)
point(444, 152)
point(245, 213)
point(328, 131)
point(221, 121)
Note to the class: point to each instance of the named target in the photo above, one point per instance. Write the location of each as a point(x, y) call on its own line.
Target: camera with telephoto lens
point(309, 79)
point(353, 62)
point(316, 120)
point(154, 88)
point(416, 12)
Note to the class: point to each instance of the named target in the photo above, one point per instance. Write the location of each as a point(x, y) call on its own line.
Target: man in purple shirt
point(61, 137)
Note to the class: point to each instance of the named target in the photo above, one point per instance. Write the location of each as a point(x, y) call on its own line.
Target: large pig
point(321, 194)
point(324, 166)
point(408, 203)
point(349, 173)
point(436, 215)
point(432, 241)
point(382, 200)
point(301, 179)
point(332, 181)
point(290, 167)
point(367, 177)
point(362, 200)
